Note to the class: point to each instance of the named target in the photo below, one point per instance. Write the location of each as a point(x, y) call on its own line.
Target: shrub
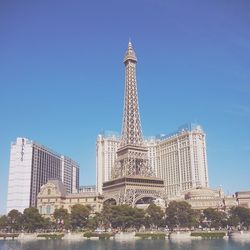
point(153, 236)
point(9, 235)
point(209, 234)
point(50, 236)
point(104, 236)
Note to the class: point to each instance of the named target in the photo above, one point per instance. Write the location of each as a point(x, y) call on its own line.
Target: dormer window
point(49, 191)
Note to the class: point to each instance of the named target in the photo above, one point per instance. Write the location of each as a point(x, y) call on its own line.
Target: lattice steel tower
point(132, 176)
point(132, 157)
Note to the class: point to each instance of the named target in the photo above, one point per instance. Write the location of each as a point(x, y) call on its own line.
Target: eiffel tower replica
point(132, 180)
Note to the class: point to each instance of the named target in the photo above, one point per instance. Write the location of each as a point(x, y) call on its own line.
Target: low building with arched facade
point(243, 198)
point(204, 197)
point(53, 195)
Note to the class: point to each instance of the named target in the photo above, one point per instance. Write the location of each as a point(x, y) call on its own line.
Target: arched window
point(49, 191)
point(48, 209)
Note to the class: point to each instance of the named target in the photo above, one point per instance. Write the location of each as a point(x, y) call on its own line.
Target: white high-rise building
point(151, 144)
point(180, 159)
point(106, 147)
point(70, 174)
point(31, 166)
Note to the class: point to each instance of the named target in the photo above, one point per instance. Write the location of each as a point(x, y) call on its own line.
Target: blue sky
point(62, 77)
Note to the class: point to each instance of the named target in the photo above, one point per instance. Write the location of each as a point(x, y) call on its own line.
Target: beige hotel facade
point(53, 195)
point(180, 159)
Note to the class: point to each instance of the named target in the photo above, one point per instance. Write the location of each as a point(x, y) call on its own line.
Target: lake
point(219, 244)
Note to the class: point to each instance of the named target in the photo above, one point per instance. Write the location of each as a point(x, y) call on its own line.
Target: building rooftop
point(59, 185)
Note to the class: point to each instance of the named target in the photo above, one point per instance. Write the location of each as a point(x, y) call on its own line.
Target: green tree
point(239, 216)
point(15, 219)
point(94, 222)
point(139, 218)
point(106, 215)
point(180, 214)
point(125, 216)
point(214, 218)
point(62, 218)
point(32, 220)
point(48, 224)
point(121, 216)
point(3, 222)
point(79, 215)
point(155, 215)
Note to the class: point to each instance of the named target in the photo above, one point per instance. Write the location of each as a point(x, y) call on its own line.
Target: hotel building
point(31, 166)
point(106, 146)
point(53, 196)
point(180, 159)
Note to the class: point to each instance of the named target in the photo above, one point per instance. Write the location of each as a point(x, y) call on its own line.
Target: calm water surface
point(126, 245)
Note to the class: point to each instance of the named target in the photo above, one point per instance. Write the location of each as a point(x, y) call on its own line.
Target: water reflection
point(124, 245)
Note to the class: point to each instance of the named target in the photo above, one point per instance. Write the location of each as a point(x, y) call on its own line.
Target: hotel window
point(48, 209)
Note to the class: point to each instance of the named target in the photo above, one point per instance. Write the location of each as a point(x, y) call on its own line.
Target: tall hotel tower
point(31, 166)
point(181, 160)
point(107, 144)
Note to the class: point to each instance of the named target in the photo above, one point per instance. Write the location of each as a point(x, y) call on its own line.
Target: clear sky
point(62, 77)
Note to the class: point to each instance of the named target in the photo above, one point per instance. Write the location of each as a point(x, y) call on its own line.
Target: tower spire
point(132, 176)
point(132, 158)
point(130, 53)
point(131, 128)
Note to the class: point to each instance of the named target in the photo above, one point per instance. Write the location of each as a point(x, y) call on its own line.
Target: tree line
point(123, 217)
